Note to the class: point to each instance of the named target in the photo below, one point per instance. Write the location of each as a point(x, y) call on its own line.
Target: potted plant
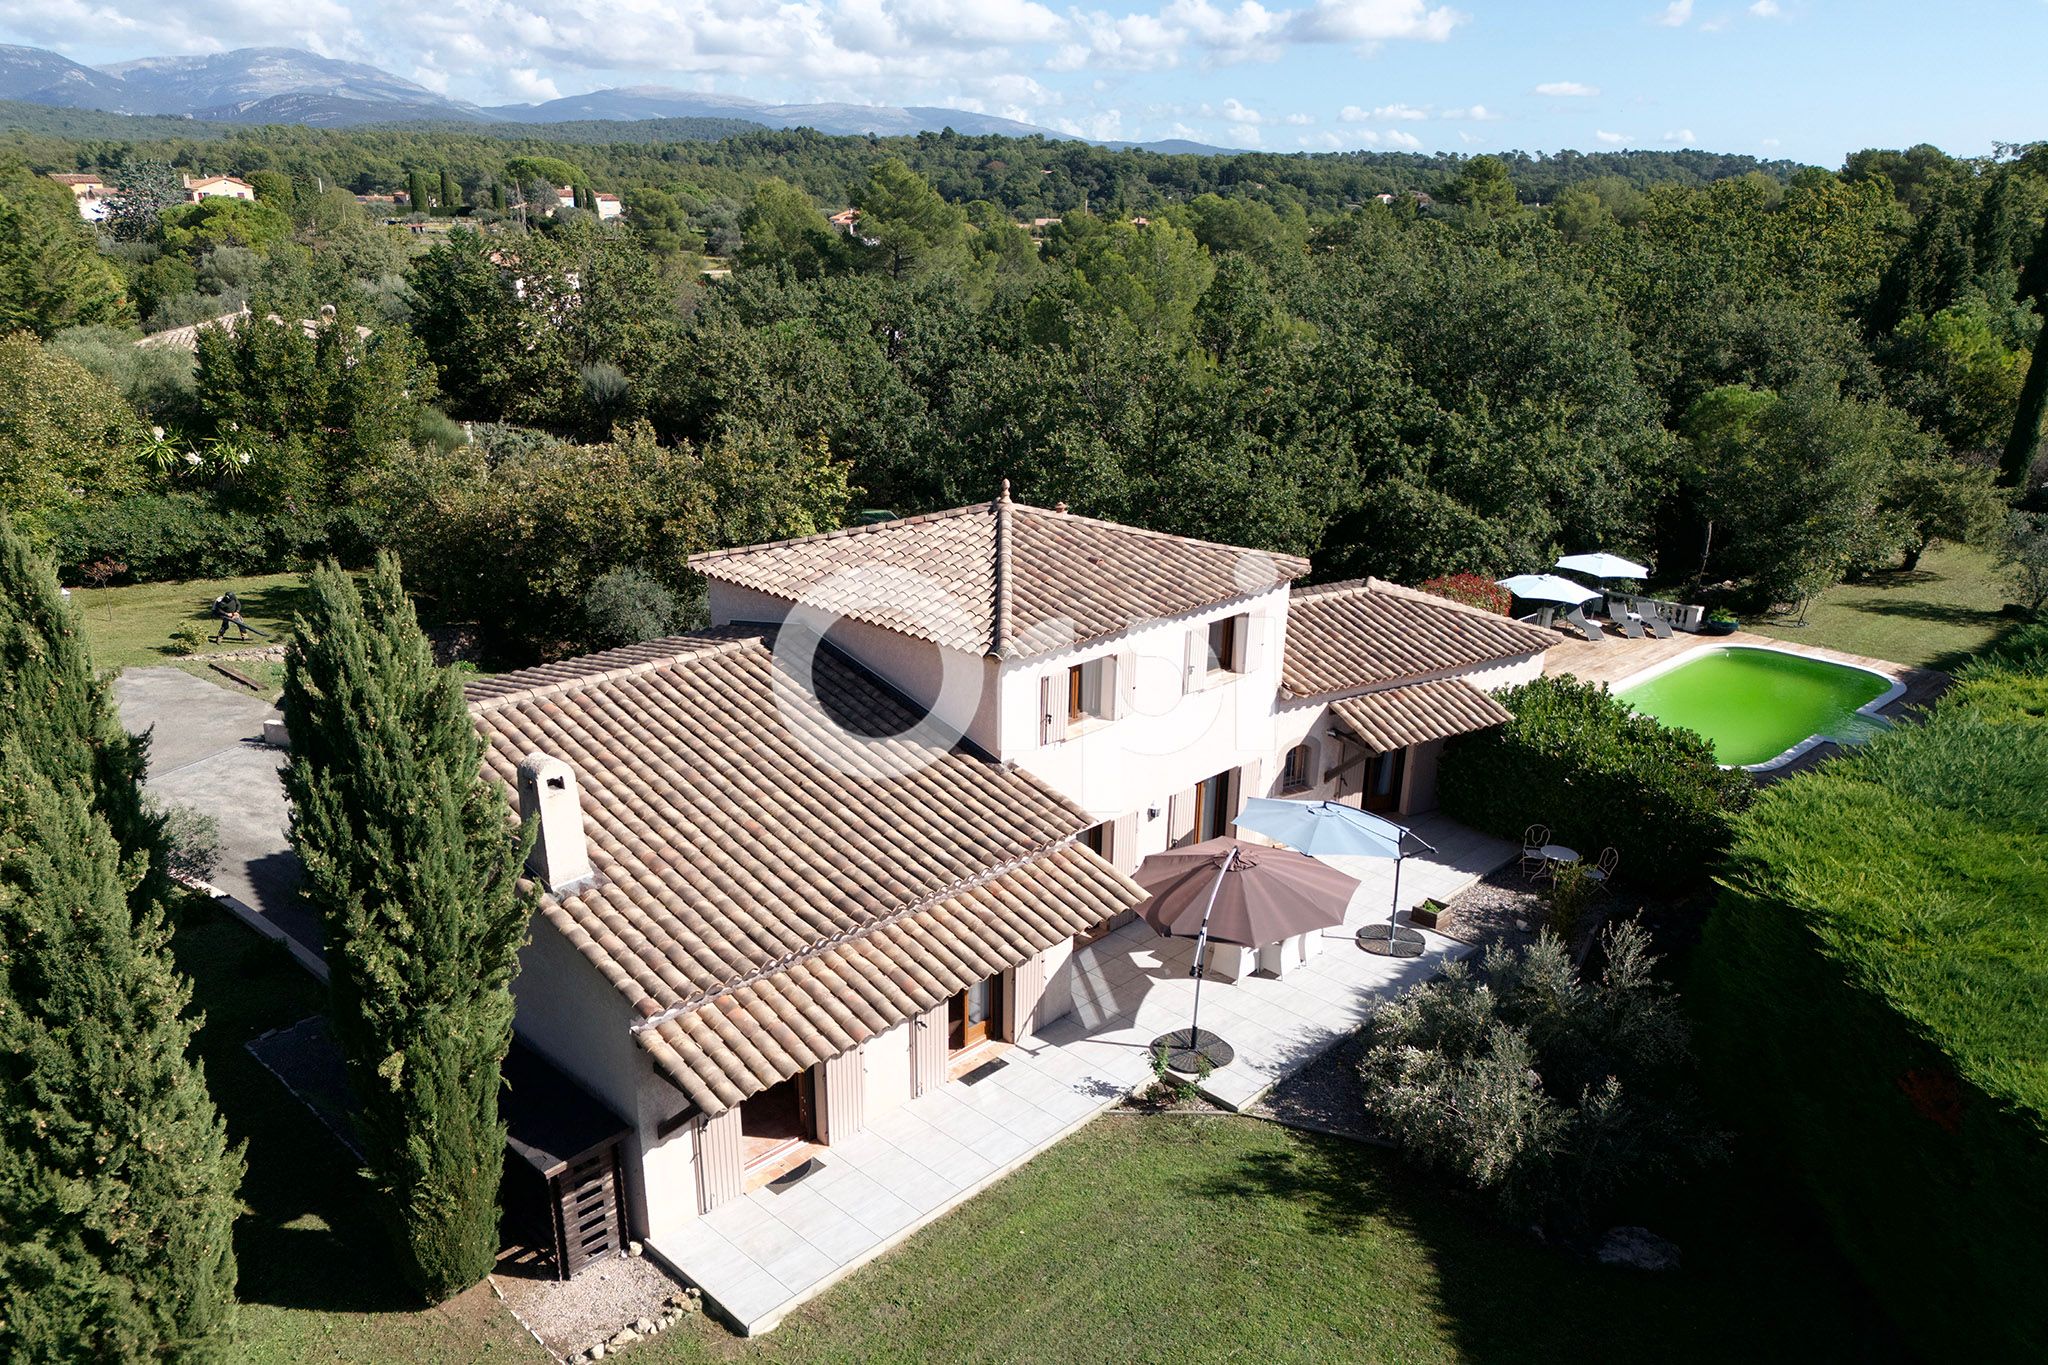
point(1424, 915)
point(1720, 621)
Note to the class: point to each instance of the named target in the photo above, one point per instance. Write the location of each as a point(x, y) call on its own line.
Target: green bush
point(1598, 774)
point(162, 537)
point(1542, 1091)
point(1871, 984)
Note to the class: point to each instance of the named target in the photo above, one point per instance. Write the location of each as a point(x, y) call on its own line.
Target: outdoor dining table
point(1559, 856)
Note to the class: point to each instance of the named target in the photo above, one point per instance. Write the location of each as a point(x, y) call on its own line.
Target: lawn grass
point(1140, 1238)
point(131, 627)
point(1934, 617)
point(315, 1283)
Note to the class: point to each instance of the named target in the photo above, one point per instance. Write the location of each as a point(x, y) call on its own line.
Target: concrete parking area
point(206, 751)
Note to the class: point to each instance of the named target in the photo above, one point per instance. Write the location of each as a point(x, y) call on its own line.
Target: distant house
point(1422, 201)
point(88, 191)
point(198, 187)
point(608, 205)
point(845, 219)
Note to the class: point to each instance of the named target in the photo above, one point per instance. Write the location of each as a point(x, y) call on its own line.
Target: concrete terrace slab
point(206, 751)
point(758, 1257)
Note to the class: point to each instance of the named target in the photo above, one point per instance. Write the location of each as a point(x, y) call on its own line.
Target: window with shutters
point(1090, 699)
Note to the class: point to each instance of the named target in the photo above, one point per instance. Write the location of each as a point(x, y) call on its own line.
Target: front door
point(1212, 808)
point(1383, 774)
point(973, 1015)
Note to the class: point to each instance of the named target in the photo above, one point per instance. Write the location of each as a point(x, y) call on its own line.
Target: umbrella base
point(1387, 941)
point(1188, 1049)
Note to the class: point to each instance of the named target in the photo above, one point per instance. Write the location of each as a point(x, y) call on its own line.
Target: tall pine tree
point(117, 1185)
point(64, 715)
point(414, 866)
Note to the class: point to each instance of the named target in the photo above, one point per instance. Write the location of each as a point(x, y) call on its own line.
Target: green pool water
point(1754, 704)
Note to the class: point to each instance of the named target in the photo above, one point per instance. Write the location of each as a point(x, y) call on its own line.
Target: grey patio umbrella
point(1332, 828)
point(1234, 892)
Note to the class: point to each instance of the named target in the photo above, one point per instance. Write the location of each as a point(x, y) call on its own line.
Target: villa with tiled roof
point(800, 869)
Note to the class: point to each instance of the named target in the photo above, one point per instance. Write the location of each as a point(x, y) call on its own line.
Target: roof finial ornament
point(1006, 490)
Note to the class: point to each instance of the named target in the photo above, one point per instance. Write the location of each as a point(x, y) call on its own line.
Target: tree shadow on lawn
point(1760, 1278)
point(308, 1239)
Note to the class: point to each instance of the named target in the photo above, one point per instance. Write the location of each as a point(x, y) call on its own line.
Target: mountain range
point(287, 85)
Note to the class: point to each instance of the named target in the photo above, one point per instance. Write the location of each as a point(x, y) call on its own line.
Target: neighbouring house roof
point(763, 900)
point(1396, 717)
point(193, 182)
point(1346, 637)
point(1001, 578)
point(75, 179)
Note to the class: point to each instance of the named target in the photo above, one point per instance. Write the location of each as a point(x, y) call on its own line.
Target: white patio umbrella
point(1600, 564)
point(1548, 587)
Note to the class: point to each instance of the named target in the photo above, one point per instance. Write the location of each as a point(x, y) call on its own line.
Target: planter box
point(1423, 916)
point(1719, 627)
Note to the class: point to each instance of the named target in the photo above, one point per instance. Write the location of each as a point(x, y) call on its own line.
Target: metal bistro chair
point(1603, 870)
point(1534, 864)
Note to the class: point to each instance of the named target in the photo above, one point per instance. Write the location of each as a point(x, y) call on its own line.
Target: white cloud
point(1767, 9)
point(1401, 138)
point(1372, 21)
point(528, 84)
point(1301, 120)
point(1611, 139)
point(1478, 113)
point(1399, 111)
point(1770, 142)
point(1682, 136)
point(1468, 138)
point(1235, 111)
point(1676, 13)
point(1567, 90)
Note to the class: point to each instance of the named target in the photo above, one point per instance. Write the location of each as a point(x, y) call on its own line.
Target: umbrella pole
point(1202, 944)
point(1394, 913)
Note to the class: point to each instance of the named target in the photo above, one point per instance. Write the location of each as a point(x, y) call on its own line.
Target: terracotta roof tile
point(1397, 717)
point(1002, 578)
point(1344, 637)
point(764, 897)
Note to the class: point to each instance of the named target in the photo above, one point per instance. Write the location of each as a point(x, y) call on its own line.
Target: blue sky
point(1807, 79)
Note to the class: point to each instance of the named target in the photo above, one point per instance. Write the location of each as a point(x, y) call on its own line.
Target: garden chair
point(1603, 870)
point(1630, 623)
point(1585, 625)
point(1534, 864)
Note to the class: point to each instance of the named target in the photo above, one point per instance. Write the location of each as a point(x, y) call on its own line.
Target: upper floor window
point(1088, 692)
point(1225, 640)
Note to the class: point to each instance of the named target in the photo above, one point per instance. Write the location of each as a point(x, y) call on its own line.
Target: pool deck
point(1618, 658)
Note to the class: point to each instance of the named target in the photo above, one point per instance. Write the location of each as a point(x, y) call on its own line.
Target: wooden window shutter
point(1123, 685)
point(1251, 641)
point(1197, 655)
point(1123, 843)
point(1052, 707)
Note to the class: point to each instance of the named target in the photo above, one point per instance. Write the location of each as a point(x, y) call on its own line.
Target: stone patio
point(759, 1256)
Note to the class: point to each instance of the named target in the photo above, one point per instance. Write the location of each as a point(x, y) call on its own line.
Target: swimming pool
point(1761, 707)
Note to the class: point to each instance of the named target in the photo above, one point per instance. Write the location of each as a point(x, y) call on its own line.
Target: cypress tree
point(63, 714)
point(416, 190)
point(451, 193)
point(497, 197)
point(413, 865)
point(2025, 441)
point(117, 1184)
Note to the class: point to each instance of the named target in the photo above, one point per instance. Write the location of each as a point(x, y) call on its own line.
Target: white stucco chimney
point(547, 793)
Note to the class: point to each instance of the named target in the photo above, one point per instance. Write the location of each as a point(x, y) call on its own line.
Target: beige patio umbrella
point(1231, 891)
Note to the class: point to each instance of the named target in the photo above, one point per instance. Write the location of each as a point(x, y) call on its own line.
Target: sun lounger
point(1631, 624)
point(1586, 627)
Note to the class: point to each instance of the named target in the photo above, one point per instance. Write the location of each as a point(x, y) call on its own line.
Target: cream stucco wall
point(568, 1012)
point(1171, 734)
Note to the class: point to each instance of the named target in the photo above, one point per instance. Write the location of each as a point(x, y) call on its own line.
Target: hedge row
point(1598, 774)
point(1872, 985)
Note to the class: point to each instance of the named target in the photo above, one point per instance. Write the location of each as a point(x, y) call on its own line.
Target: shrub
point(626, 606)
point(1871, 983)
point(1576, 759)
point(164, 536)
point(1474, 590)
point(191, 842)
point(1544, 1092)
